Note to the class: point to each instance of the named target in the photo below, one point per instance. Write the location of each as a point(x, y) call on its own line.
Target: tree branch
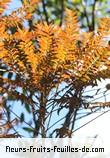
point(45, 11)
point(93, 16)
point(62, 12)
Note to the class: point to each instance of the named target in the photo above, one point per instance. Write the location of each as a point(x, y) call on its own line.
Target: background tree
point(47, 66)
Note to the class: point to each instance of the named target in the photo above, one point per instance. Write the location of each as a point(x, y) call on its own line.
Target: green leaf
point(22, 117)
point(24, 91)
point(10, 75)
point(28, 129)
point(27, 106)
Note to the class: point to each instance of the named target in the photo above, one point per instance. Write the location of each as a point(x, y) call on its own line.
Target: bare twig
point(90, 121)
point(62, 12)
point(45, 11)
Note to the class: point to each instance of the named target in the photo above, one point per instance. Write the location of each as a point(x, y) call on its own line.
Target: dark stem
point(93, 16)
point(35, 121)
point(68, 118)
point(62, 12)
point(73, 122)
point(40, 123)
point(45, 11)
point(86, 16)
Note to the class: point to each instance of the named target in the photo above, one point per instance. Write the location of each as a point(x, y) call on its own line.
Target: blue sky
point(13, 5)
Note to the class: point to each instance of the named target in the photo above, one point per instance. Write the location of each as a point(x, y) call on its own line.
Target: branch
point(45, 11)
point(98, 104)
point(93, 16)
point(74, 120)
point(62, 12)
point(90, 121)
point(86, 16)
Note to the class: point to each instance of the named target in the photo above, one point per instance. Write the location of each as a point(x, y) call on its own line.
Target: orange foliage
point(48, 54)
